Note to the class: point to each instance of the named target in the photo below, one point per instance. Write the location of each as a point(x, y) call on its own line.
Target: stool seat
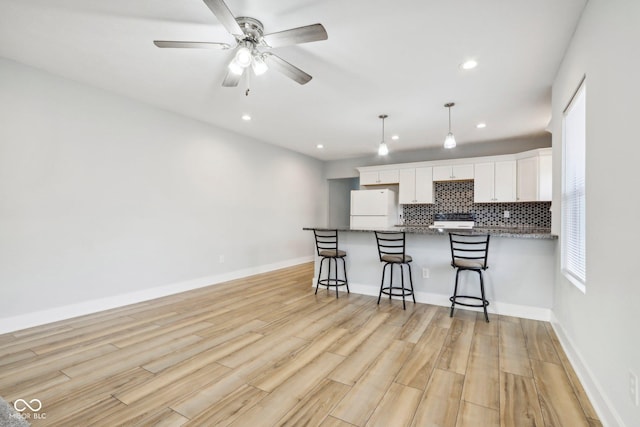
point(398, 259)
point(467, 264)
point(332, 253)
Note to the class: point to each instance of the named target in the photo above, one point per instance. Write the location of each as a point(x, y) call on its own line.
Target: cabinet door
point(528, 179)
point(483, 183)
point(424, 185)
point(452, 172)
point(545, 173)
point(389, 176)
point(442, 173)
point(407, 187)
point(504, 181)
point(462, 171)
point(368, 178)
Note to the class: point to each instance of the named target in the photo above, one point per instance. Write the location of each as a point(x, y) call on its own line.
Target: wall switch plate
point(633, 388)
point(221, 259)
point(507, 214)
point(425, 273)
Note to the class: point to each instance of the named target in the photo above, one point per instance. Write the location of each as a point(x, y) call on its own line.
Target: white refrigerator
point(374, 208)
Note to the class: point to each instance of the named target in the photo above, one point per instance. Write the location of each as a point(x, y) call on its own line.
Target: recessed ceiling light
point(481, 125)
point(395, 137)
point(468, 65)
point(319, 146)
point(246, 117)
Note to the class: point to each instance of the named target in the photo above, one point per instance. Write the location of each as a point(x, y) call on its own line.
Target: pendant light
point(383, 150)
point(450, 140)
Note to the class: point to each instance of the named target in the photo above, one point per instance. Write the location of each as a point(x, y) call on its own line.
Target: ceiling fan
point(252, 45)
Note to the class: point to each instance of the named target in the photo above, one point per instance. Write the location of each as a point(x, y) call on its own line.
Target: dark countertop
point(515, 232)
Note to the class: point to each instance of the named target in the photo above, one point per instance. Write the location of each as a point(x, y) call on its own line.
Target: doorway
point(340, 200)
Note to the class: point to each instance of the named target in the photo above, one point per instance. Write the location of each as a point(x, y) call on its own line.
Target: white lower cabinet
point(416, 186)
point(495, 182)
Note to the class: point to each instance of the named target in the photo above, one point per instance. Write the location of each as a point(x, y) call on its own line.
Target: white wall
point(102, 196)
point(601, 326)
point(339, 201)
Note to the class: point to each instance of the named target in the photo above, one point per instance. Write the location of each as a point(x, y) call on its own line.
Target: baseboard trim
point(28, 320)
point(495, 307)
point(601, 403)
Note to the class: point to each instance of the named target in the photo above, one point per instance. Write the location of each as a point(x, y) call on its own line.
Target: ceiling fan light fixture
point(235, 68)
point(259, 66)
point(243, 57)
point(450, 140)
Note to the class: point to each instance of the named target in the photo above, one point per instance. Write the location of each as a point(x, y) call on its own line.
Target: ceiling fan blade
point(224, 15)
point(231, 79)
point(306, 34)
point(291, 71)
point(191, 45)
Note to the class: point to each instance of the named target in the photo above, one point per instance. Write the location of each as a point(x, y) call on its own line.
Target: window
point(573, 237)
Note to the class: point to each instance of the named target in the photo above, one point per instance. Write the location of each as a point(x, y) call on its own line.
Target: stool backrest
point(326, 240)
point(390, 243)
point(472, 248)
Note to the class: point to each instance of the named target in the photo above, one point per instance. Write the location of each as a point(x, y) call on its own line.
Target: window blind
point(573, 191)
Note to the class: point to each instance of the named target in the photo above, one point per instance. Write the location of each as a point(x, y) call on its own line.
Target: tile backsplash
point(457, 196)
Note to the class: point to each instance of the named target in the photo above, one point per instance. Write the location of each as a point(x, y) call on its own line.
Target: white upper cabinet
point(390, 176)
point(453, 172)
point(416, 186)
point(505, 181)
point(534, 178)
point(495, 182)
point(519, 177)
point(528, 179)
point(483, 183)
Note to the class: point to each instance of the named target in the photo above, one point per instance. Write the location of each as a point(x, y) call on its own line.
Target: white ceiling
point(397, 57)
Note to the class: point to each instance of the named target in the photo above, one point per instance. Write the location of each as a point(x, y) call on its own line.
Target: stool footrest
point(402, 291)
point(454, 300)
point(332, 282)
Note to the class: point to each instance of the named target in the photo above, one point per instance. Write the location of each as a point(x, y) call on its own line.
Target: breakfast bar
point(519, 281)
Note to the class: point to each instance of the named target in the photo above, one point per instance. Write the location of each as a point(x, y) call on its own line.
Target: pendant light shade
point(383, 150)
point(450, 140)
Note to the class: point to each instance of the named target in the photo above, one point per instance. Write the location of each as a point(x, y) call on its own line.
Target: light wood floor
point(266, 351)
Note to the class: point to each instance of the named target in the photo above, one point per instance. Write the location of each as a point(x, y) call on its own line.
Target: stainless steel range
point(456, 221)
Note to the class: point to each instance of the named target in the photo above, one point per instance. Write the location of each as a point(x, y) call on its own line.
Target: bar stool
point(469, 252)
point(327, 248)
point(391, 250)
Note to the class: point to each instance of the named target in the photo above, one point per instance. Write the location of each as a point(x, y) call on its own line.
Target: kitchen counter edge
point(515, 232)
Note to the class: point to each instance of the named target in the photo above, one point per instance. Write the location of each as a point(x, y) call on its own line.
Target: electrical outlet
point(633, 388)
point(221, 259)
point(425, 273)
point(507, 214)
